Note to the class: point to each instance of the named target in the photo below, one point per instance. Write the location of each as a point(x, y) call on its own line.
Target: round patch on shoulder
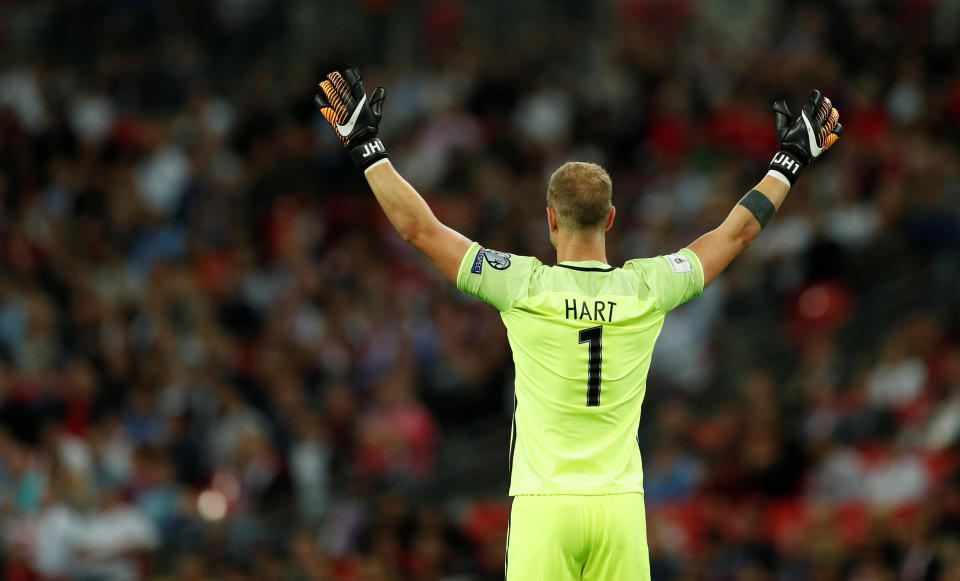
point(498, 260)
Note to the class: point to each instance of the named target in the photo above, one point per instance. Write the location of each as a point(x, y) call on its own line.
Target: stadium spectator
point(217, 361)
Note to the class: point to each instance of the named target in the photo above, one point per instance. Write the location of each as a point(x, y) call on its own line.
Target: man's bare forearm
point(415, 221)
point(404, 206)
point(743, 225)
point(717, 248)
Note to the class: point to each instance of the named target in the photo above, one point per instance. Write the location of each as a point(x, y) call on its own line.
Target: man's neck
point(580, 246)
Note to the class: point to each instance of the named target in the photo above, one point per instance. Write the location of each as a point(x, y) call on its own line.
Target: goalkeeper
point(582, 333)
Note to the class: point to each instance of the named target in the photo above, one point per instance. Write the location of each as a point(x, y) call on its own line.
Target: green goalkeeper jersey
point(582, 335)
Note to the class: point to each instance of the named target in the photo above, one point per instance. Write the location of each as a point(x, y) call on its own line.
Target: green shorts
point(567, 538)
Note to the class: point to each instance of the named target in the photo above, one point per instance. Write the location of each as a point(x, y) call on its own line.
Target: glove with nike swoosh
point(804, 138)
point(356, 119)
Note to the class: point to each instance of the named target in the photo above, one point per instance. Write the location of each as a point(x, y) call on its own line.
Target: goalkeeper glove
point(804, 138)
point(356, 119)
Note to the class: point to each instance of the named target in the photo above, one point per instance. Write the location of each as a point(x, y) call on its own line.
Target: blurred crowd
point(218, 361)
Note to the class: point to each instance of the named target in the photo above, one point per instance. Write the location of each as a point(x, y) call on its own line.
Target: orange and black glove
point(356, 119)
point(804, 138)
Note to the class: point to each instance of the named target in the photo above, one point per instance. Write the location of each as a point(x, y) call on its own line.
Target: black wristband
point(759, 205)
point(368, 152)
point(787, 164)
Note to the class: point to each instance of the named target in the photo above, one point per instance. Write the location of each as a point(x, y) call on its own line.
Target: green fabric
point(561, 445)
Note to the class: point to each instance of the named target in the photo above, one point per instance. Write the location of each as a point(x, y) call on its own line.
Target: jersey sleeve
point(494, 277)
point(673, 279)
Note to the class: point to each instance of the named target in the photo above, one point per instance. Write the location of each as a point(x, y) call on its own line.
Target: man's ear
point(613, 212)
point(552, 219)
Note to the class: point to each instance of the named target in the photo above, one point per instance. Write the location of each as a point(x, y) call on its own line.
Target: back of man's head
point(580, 193)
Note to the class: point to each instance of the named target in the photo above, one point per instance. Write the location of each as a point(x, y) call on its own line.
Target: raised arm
point(802, 140)
point(718, 247)
point(413, 219)
point(343, 102)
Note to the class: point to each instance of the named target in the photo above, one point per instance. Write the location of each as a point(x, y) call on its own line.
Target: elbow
point(410, 231)
point(748, 234)
point(409, 235)
point(418, 230)
point(743, 241)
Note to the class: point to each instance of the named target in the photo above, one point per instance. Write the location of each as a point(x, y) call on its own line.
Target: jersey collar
point(586, 265)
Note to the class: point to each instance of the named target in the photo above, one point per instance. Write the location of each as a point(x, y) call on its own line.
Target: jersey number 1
point(592, 337)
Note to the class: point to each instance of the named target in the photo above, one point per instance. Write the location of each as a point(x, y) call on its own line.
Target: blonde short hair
point(581, 195)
